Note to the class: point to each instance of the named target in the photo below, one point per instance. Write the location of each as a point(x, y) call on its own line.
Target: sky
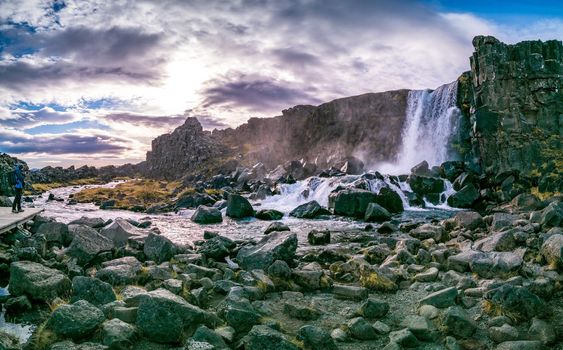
point(93, 82)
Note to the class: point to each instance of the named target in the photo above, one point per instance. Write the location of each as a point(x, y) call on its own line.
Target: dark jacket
point(20, 177)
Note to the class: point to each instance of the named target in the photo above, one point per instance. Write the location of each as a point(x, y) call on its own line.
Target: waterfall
point(431, 119)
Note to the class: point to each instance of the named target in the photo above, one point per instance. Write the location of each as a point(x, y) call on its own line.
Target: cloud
point(23, 119)
point(255, 93)
point(146, 121)
point(14, 143)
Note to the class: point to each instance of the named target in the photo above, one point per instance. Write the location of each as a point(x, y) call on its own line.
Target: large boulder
point(239, 207)
point(309, 210)
point(457, 321)
point(207, 215)
point(278, 245)
point(92, 290)
point(120, 271)
point(87, 243)
point(552, 250)
point(162, 316)
point(119, 232)
point(390, 200)
point(269, 214)
point(159, 248)
point(91, 222)
point(55, 232)
point(266, 338)
point(352, 202)
point(423, 185)
point(376, 213)
point(516, 302)
point(464, 198)
point(76, 320)
point(496, 264)
point(37, 282)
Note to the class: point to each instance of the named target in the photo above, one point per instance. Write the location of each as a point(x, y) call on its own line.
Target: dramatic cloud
point(221, 61)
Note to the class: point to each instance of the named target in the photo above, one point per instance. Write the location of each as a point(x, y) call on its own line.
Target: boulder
point(37, 282)
point(457, 322)
point(403, 338)
point(309, 210)
point(424, 185)
point(117, 334)
point(360, 329)
point(376, 213)
point(426, 231)
point(276, 226)
point(55, 232)
point(238, 312)
point(269, 214)
point(162, 316)
point(87, 221)
point(93, 290)
point(516, 302)
point(216, 248)
point(159, 248)
point(264, 337)
point(87, 243)
point(239, 207)
point(502, 221)
point(470, 220)
point(501, 242)
point(464, 198)
point(353, 166)
point(373, 308)
point(451, 169)
point(496, 264)
point(119, 274)
point(390, 200)
point(520, 345)
point(315, 237)
point(441, 299)
point(207, 215)
point(275, 246)
point(316, 338)
point(119, 232)
point(75, 320)
point(194, 200)
point(204, 334)
point(552, 250)
point(352, 202)
point(552, 215)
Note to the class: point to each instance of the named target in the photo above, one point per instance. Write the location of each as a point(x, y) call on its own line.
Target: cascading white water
point(431, 120)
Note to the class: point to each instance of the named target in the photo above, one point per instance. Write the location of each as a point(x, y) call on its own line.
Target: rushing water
point(21, 331)
point(432, 118)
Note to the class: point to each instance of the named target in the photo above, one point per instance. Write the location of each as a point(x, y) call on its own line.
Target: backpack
point(12, 178)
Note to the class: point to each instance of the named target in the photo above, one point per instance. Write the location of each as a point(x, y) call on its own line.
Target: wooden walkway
point(9, 220)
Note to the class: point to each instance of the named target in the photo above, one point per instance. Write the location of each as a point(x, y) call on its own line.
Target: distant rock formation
point(513, 96)
point(326, 135)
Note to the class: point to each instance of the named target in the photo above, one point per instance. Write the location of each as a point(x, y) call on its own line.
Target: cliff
point(514, 100)
point(326, 135)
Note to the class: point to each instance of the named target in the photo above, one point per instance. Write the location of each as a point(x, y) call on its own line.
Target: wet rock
point(90, 222)
point(373, 308)
point(515, 301)
point(93, 290)
point(458, 323)
point(376, 213)
point(275, 246)
point(309, 210)
point(264, 337)
point(239, 207)
point(163, 316)
point(552, 250)
point(87, 243)
point(543, 331)
point(216, 248)
point(17, 305)
point(9, 341)
point(316, 338)
point(352, 202)
point(503, 333)
point(451, 169)
point(276, 226)
point(441, 299)
point(464, 198)
point(315, 237)
point(342, 291)
point(423, 185)
point(404, 338)
point(37, 282)
point(117, 334)
point(207, 215)
point(204, 334)
point(269, 214)
point(390, 200)
point(76, 320)
point(159, 248)
point(360, 329)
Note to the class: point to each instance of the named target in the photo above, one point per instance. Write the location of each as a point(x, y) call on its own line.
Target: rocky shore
point(466, 282)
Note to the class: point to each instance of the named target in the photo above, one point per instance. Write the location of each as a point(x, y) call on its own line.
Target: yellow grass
point(135, 193)
point(41, 187)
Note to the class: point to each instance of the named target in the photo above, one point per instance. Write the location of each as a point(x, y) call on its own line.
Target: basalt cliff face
point(513, 99)
point(325, 135)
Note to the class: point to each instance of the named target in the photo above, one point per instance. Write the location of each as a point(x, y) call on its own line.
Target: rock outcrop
point(327, 135)
point(514, 100)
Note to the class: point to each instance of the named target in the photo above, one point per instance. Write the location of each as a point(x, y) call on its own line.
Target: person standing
point(20, 184)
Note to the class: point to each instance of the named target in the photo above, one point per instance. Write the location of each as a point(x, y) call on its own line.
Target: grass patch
point(543, 195)
point(44, 187)
point(43, 337)
point(130, 194)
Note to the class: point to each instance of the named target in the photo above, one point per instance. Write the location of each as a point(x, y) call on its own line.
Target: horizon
point(94, 84)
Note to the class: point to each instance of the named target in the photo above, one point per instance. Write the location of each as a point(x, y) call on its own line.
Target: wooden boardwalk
point(9, 220)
